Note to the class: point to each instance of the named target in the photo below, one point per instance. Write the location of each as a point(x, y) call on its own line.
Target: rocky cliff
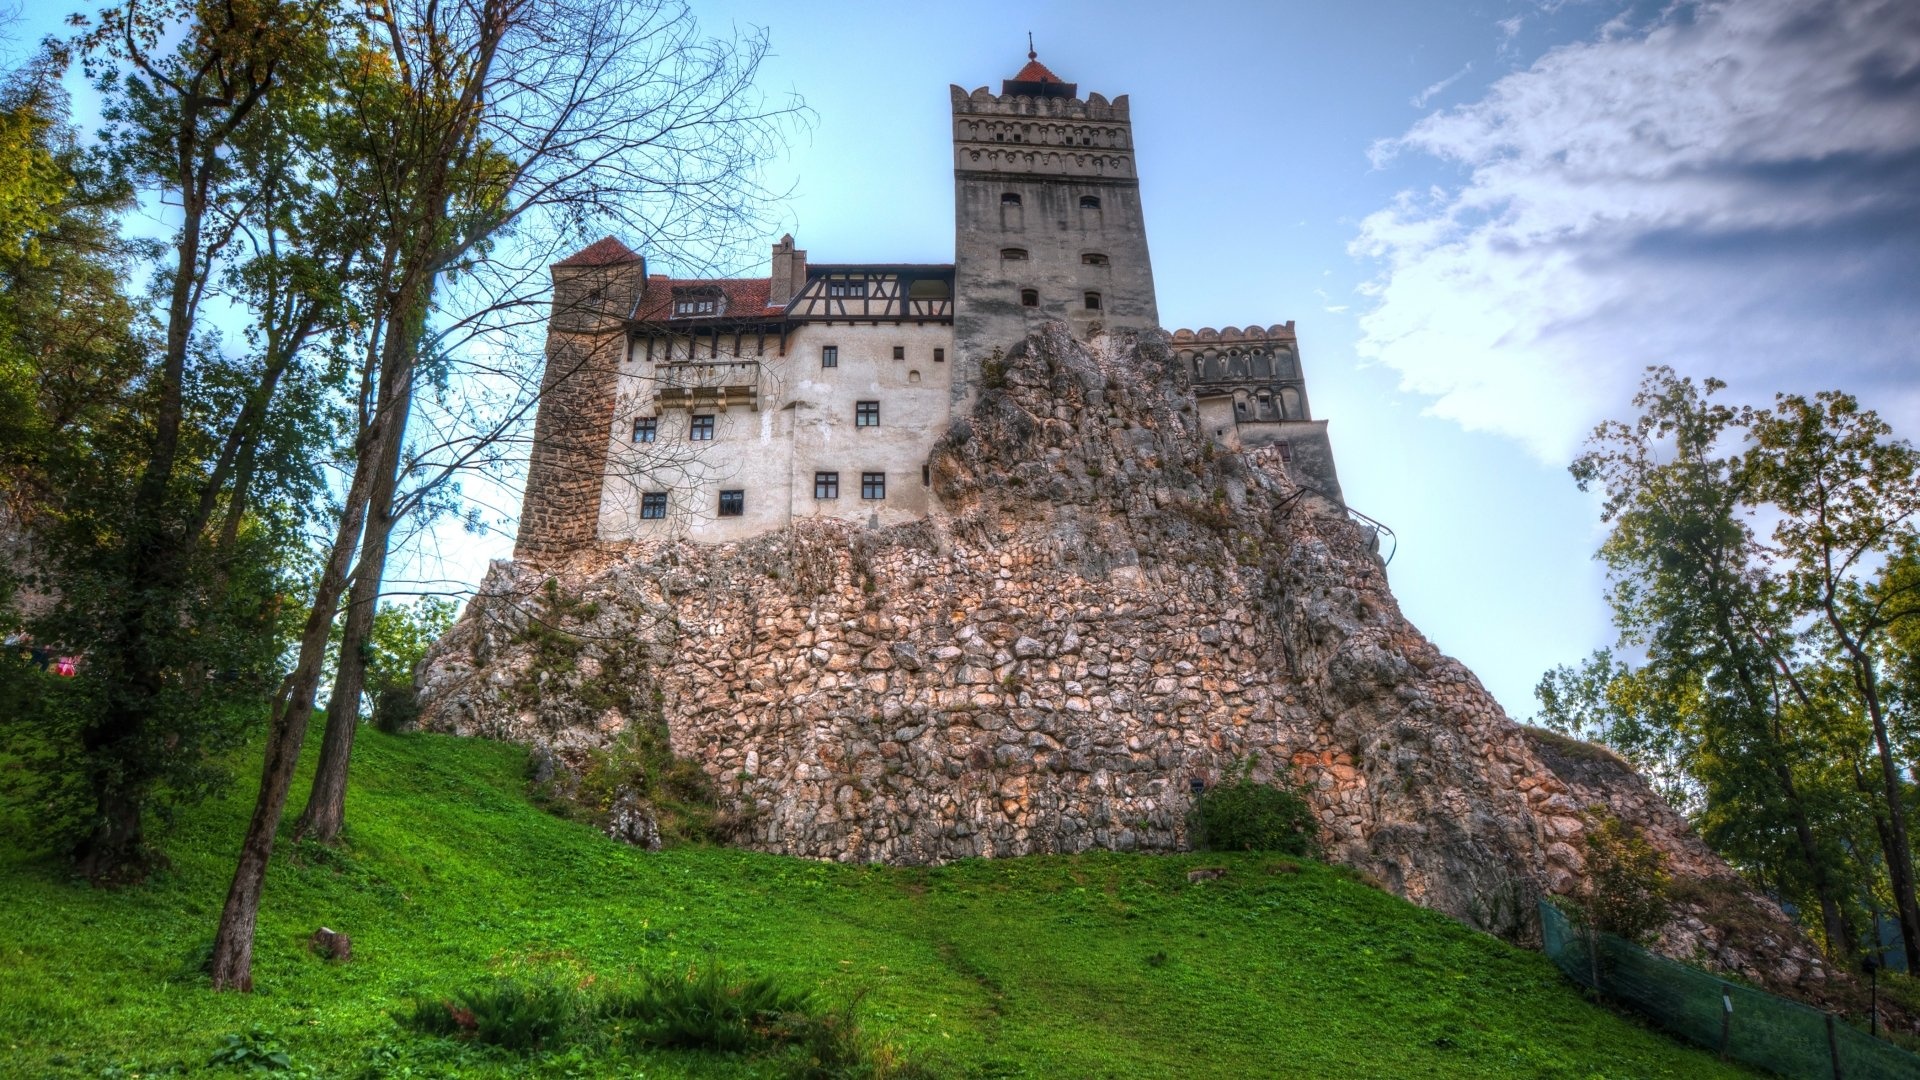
point(1105, 610)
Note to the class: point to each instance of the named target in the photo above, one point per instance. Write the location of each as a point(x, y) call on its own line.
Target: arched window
point(1089, 202)
point(1093, 301)
point(1009, 198)
point(1013, 254)
point(1029, 297)
point(1094, 258)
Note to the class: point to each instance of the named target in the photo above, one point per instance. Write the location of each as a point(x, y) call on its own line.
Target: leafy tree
point(484, 123)
point(1775, 678)
point(1847, 494)
point(1690, 587)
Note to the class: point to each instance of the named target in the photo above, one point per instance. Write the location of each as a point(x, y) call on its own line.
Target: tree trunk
point(1831, 919)
point(1899, 852)
point(326, 810)
point(293, 708)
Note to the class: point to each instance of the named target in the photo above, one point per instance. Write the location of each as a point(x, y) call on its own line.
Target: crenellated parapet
point(1251, 392)
point(984, 102)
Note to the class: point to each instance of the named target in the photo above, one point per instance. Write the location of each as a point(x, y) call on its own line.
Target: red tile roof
point(1035, 71)
point(746, 297)
point(605, 251)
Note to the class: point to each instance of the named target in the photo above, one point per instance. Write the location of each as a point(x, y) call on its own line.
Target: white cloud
point(1419, 100)
point(1733, 189)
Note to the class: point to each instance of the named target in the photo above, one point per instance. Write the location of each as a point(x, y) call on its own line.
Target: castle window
point(866, 414)
point(829, 356)
point(1029, 297)
point(653, 504)
point(1286, 451)
point(873, 485)
point(733, 503)
point(1089, 202)
point(701, 428)
point(1093, 301)
point(1014, 254)
point(846, 288)
point(1093, 258)
point(826, 485)
point(1009, 198)
point(646, 428)
point(926, 475)
point(899, 352)
point(939, 356)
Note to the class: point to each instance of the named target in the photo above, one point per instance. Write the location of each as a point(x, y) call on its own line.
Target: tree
point(1847, 495)
point(168, 574)
point(1689, 585)
point(495, 128)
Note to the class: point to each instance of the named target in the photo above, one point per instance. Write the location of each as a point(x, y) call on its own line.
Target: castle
point(720, 409)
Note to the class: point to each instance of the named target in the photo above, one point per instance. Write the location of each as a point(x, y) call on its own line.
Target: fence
point(1743, 1024)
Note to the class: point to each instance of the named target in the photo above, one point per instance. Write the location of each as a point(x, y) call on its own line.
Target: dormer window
point(1013, 254)
point(1089, 202)
point(844, 287)
point(696, 302)
point(1010, 198)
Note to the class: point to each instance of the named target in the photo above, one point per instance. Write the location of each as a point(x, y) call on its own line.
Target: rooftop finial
point(1031, 55)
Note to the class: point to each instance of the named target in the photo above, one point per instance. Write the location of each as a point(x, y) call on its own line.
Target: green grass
point(1088, 966)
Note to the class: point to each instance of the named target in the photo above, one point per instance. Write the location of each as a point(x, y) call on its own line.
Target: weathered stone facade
point(1102, 608)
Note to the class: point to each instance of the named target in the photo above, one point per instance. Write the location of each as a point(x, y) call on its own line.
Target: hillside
point(1058, 966)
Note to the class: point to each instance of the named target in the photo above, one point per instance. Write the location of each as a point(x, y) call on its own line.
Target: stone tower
point(594, 292)
point(1047, 218)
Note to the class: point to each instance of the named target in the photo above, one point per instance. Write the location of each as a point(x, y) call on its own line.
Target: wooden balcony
point(716, 384)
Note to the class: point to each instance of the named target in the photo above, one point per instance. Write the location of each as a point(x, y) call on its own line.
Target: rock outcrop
point(1105, 610)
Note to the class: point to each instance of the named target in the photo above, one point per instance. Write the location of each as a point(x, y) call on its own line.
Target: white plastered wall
point(805, 423)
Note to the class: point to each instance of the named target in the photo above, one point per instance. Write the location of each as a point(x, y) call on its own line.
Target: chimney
point(789, 273)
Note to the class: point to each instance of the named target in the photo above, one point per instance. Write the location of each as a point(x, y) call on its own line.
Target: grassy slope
point(1022, 967)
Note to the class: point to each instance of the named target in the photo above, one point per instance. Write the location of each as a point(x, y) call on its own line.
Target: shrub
point(514, 1012)
point(1245, 815)
point(708, 1008)
point(1627, 886)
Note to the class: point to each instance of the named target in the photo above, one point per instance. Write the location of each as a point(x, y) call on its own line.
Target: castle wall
point(804, 422)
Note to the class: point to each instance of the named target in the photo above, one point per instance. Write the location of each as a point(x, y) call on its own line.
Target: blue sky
point(1485, 217)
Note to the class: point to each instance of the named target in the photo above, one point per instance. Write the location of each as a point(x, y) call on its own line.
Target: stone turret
point(1048, 222)
point(594, 291)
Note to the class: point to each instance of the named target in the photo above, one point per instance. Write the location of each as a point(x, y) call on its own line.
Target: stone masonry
point(1103, 608)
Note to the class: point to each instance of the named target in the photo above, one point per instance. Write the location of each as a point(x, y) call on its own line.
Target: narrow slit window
point(1029, 297)
point(873, 485)
point(646, 429)
point(826, 485)
point(829, 356)
point(701, 429)
point(733, 503)
point(1093, 301)
point(653, 504)
point(866, 414)
point(926, 476)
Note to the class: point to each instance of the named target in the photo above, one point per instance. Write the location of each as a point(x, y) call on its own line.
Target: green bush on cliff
point(1246, 815)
